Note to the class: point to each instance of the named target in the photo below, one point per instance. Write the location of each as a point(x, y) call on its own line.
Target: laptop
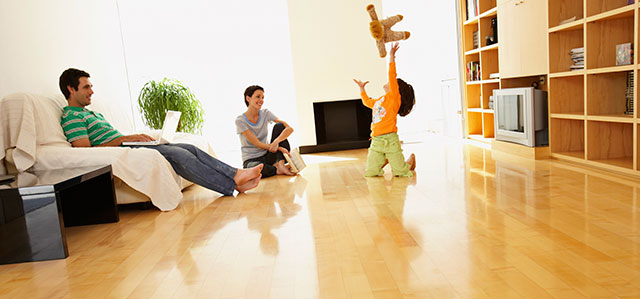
point(168, 129)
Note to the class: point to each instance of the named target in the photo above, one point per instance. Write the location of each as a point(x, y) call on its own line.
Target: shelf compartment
point(560, 45)
point(610, 143)
point(566, 95)
point(602, 38)
point(560, 10)
point(598, 9)
point(488, 64)
point(474, 96)
point(486, 30)
point(474, 123)
point(487, 125)
point(606, 94)
point(486, 6)
point(487, 91)
point(567, 137)
point(468, 36)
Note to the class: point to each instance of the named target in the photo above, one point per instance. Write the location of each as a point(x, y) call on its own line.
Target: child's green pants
point(386, 147)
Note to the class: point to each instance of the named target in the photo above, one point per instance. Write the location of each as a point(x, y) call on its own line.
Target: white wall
point(217, 49)
point(331, 45)
point(301, 51)
point(42, 38)
point(426, 59)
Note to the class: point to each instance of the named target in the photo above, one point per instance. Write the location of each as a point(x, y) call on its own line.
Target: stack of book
point(577, 55)
point(472, 9)
point(476, 40)
point(473, 71)
point(629, 94)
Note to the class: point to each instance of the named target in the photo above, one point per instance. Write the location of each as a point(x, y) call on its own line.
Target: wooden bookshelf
point(478, 114)
point(588, 120)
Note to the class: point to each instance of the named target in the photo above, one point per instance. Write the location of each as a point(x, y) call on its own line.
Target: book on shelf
point(476, 40)
point(629, 94)
point(472, 9)
point(569, 20)
point(473, 71)
point(624, 54)
point(494, 76)
point(577, 56)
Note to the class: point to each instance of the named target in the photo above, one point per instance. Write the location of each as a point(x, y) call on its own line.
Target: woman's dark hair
point(249, 92)
point(71, 77)
point(407, 97)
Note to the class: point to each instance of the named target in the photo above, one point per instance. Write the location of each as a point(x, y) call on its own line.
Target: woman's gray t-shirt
point(260, 129)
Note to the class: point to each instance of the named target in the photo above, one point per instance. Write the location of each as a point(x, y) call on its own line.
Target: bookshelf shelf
point(476, 26)
point(575, 25)
point(575, 116)
point(567, 74)
point(591, 109)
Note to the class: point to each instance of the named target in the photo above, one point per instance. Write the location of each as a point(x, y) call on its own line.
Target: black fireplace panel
point(340, 125)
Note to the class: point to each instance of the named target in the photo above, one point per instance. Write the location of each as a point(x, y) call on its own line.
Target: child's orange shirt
point(384, 109)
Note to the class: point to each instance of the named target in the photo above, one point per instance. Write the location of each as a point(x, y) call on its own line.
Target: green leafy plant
point(157, 97)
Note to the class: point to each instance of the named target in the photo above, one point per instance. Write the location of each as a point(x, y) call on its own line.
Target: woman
point(253, 128)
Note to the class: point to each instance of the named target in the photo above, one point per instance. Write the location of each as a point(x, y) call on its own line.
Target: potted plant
point(157, 97)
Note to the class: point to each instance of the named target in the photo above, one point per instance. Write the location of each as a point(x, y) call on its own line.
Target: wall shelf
point(478, 117)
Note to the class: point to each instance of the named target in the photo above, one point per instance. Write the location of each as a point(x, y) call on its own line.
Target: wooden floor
point(471, 224)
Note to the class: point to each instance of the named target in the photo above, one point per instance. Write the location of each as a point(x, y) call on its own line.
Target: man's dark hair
point(249, 92)
point(71, 77)
point(407, 97)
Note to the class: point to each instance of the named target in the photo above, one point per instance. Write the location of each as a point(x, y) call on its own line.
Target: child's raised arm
point(363, 94)
point(392, 53)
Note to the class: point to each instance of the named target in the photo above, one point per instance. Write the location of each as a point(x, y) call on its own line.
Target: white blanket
point(31, 124)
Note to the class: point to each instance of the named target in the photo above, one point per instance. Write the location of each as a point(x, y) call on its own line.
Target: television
point(521, 116)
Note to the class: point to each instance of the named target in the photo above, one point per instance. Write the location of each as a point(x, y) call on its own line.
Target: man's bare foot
point(412, 162)
point(249, 185)
point(244, 175)
point(283, 169)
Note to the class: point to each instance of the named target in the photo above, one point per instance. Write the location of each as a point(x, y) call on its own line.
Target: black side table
point(35, 208)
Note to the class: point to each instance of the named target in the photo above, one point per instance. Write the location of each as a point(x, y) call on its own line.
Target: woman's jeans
point(270, 158)
point(197, 166)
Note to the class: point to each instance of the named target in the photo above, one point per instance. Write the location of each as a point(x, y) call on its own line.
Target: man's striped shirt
point(78, 123)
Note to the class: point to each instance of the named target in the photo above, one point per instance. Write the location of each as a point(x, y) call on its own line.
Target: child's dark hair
point(249, 92)
point(407, 97)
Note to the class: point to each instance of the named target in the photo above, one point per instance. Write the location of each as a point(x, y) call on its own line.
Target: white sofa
point(31, 138)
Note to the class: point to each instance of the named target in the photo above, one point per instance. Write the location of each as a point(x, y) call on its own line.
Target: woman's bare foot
point(283, 169)
point(249, 185)
point(244, 175)
point(412, 161)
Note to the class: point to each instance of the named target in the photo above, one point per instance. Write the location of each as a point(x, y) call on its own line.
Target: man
point(85, 128)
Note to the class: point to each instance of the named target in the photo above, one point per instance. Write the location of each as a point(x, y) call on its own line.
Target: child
point(385, 144)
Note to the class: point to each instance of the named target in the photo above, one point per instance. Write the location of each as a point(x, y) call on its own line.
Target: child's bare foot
point(249, 185)
point(283, 169)
point(412, 162)
point(244, 175)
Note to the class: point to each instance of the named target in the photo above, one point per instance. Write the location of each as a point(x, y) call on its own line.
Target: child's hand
point(361, 84)
point(392, 53)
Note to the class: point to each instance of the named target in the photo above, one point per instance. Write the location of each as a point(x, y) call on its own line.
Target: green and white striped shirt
point(78, 123)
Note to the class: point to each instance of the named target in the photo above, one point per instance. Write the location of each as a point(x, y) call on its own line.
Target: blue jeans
point(197, 166)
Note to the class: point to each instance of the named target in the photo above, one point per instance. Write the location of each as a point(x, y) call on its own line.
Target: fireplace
point(340, 125)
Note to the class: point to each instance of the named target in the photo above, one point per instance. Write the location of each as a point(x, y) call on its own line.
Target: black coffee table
point(35, 208)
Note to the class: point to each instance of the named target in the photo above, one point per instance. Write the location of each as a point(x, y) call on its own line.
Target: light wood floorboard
point(470, 224)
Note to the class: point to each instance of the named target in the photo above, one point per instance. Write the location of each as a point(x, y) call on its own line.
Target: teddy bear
point(381, 30)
